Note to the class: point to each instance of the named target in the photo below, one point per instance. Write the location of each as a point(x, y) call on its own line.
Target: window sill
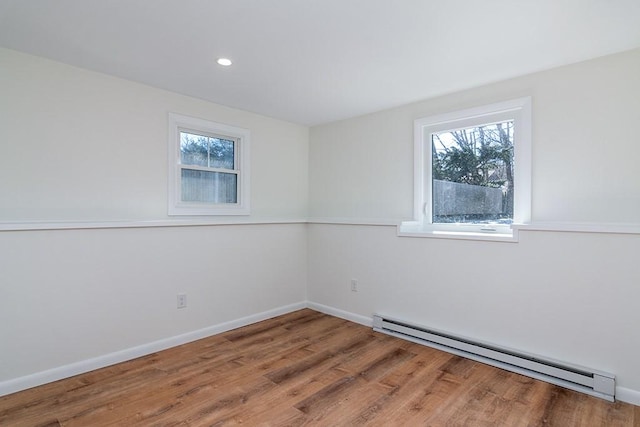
point(416, 229)
point(184, 209)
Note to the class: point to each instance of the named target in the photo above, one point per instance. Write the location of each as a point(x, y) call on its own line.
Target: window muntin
point(208, 168)
point(516, 114)
point(209, 151)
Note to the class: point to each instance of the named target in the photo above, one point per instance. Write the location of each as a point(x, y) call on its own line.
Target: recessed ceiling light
point(225, 62)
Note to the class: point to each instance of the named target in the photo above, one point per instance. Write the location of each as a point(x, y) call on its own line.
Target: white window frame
point(518, 110)
point(176, 206)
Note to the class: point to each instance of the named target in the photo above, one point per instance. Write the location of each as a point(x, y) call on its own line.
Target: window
point(208, 167)
point(473, 172)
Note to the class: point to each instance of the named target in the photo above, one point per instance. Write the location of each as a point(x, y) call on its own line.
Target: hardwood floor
point(306, 368)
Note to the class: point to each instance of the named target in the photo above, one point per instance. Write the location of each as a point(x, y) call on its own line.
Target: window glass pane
point(194, 149)
point(200, 150)
point(472, 171)
point(209, 187)
point(221, 153)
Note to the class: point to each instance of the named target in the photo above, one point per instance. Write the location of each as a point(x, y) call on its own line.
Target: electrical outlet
point(182, 300)
point(354, 285)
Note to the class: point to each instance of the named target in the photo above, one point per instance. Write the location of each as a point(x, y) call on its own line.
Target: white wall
point(566, 295)
point(73, 295)
point(80, 146)
point(585, 147)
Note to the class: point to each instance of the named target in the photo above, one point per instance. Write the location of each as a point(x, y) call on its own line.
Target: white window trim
point(518, 110)
point(242, 136)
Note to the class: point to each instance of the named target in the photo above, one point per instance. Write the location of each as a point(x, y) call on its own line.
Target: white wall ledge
point(575, 227)
point(355, 221)
point(83, 225)
point(580, 227)
point(497, 234)
point(408, 229)
point(457, 235)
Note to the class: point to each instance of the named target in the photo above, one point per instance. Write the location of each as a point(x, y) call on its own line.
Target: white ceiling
point(316, 61)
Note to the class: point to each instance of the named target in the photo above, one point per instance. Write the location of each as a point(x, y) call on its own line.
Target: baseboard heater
point(578, 378)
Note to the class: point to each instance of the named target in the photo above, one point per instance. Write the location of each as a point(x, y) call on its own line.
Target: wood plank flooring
point(306, 368)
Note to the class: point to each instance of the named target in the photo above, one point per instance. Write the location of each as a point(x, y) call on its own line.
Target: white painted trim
point(416, 229)
point(28, 381)
point(405, 229)
point(622, 394)
point(580, 227)
point(628, 395)
point(518, 110)
point(357, 318)
point(82, 225)
point(66, 371)
point(242, 138)
point(410, 228)
point(354, 221)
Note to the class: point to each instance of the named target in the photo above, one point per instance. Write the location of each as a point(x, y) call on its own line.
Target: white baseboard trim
point(622, 394)
point(363, 320)
point(83, 366)
point(28, 381)
point(628, 395)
